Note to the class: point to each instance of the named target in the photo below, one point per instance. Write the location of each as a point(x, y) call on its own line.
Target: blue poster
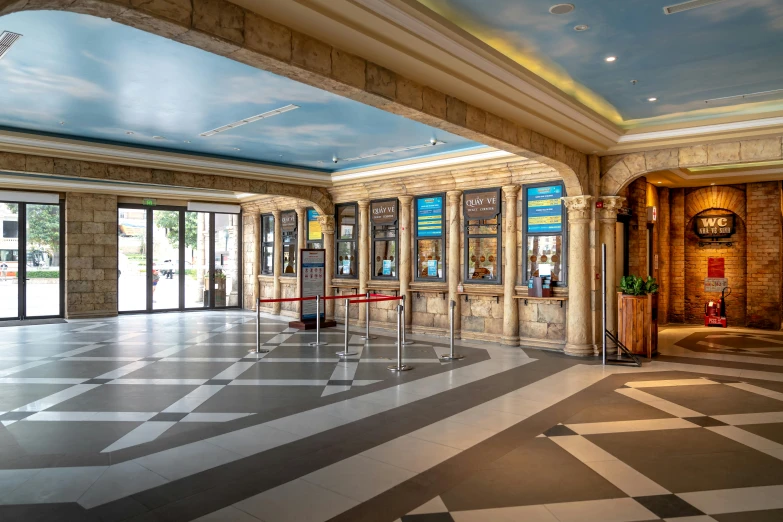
point(429, 216)
point(544, 209)
point(432, 268)
point(386, 267)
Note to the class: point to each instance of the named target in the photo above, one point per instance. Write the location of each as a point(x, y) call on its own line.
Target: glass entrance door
point(173, 259)
point(31, 258)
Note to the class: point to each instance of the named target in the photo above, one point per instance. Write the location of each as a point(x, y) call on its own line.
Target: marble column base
point(509, 341)
point(580, 350)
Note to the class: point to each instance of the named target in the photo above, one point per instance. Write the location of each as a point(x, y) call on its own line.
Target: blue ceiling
point(102, 80)
point(729, 48)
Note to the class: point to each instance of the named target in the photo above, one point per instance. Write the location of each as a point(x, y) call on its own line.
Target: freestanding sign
point(312, 282)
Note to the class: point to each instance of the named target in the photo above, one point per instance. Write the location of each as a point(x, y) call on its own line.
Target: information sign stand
point(312, 283)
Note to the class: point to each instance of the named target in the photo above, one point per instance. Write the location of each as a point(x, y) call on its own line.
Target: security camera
point(334, 159)
point(433, 141)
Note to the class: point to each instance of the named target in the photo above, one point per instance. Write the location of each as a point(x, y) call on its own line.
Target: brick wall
point(677, 256)
point(90, 255)
point(764, 245)
point(663, 274)
point(637, 234)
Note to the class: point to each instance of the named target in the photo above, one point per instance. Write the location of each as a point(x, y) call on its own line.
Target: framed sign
point(714, 226)
point(383, 212)
point(313, 226)
point(312, 281)
point(716, 267)
point(544, 209)
point(715, 284)
point(288, 221)
point(481, 204)
point(429, 216)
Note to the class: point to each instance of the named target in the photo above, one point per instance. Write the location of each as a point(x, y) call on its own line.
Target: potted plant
point(637, 315)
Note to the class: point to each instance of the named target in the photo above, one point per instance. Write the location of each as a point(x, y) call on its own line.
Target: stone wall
point(764, 251)
point(90, 255)
point(249, 224)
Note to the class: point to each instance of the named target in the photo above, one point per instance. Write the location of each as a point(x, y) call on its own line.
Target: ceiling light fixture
point(7, 39)
point(186, 141)
point(653, 99)
point(610, 59)
point(62, 123)
point(251, 119)
point(129, 133)
point(158, 137)
point(236, 148)
point(660, 182)
point(560, 9)
point(581, 27)
point(687, 6)
point(432, 143)
point(712, 183)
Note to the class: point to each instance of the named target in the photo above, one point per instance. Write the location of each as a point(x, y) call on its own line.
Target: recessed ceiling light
point(158, 138)
point(559, 9)
point(581, 27)
point(129, 133)
point(187, 141)
point(7, 39)
point(712, 183)
point(62, 123)
point(660, 182)
point(251, 119)
point(653, 99)
point(634, 82)
point(610, 59)
point(235, 148)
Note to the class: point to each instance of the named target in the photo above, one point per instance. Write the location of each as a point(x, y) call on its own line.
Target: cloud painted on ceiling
point(103, 80)
point(725, 49)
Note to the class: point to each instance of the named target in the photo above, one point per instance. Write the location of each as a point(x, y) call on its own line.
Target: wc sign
point(714, 226)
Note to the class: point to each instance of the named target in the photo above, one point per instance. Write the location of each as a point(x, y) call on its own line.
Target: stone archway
point(223, 28)
point(618, 171)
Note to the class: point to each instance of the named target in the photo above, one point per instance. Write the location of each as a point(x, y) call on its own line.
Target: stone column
point(510, 307)
point(278, 261)
point(453, 198)
point(404, 254)
point(364, 250)
point(578, 334)
point(607, 219)
point(256, 259)
point(327, 227)
point(301, 219)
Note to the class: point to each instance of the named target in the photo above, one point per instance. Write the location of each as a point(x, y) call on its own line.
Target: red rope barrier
point(377, 300)
point(288, 300)
point(328, 297)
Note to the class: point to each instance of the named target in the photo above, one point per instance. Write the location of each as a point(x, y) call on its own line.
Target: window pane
point(430, 263)
point(346, 219)
point(346, 258)
point(226, 260)
point(43, 259)
point(165, 259)
point(544, 257)
point(384, 231)
point(385, 259)
point(267, 253)
point(482, 259)
point(488, 227)
point(289, 258)
point(267, 228)
point(196, 259)
point(132, 259)
point(10, 228)
point(315, 244)
point(9, 260)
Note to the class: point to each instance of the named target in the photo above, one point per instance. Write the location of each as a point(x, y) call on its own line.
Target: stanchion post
point(451, 356)
point(345, 352)
point(317, 323)
point(258, 329)
point(603, 293)
point(404, 342)
point(399, 367)
point(367, 336)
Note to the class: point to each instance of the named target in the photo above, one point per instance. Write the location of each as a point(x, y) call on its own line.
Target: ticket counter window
point(288, 226)
point(267, 244)
point(545, 257)
point(481, 211)
point(345, 242)
point(544, 220)
point(383, 221)
point(429, 238)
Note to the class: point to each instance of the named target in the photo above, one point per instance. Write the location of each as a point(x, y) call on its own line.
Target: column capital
point(579, 208)
point(453, 196)
point(276, 213)
point(610, 206)
point(327, 224)
point(364, 204)
point(511, 191)
point(405, 200)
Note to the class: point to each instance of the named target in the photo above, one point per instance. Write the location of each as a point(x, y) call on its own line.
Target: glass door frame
point(21, 291)
point(211, 252)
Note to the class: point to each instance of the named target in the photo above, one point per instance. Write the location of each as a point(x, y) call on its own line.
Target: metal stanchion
point(399, 367)
point(317, 323)
point(258, 329)
point(451, 356)
point(367, 336)
point(404, 342)
point(345, 352)
point(603, 293)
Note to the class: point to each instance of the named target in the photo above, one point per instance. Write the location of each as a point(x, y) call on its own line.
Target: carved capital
point(276, 214)
point(405, 200)
point(364, 204)
point(453, 197)
point(579, 208)
point(510, 192)
point(611, 205)
point(327, 224)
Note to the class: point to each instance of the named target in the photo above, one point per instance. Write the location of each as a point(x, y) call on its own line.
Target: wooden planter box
point(637, 323)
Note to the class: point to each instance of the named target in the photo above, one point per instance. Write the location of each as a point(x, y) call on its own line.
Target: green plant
point(43, 274)
point(635, 285)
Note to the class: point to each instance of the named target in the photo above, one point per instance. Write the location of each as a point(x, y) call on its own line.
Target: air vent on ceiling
point(251, 119)
point(776, 92)
point(7, 39)
point(686, 6)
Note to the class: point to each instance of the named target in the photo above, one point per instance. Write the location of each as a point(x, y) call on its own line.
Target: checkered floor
point(95, 387)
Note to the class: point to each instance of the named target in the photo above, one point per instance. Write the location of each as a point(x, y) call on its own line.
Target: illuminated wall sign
point(714, 226)
point(544, 209)
point(482, 205)
point(429, 216)
point(313, 226)
point(149, 202)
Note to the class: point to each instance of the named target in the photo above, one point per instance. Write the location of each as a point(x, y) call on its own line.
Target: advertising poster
point(313, 264)
point(346, 266)
point(386, 267)
point(544, 209)
point(429, 216)
point(313, 226)
point(432, 268)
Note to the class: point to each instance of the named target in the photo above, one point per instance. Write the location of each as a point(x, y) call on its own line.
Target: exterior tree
point(169, 220)
point(43, 228)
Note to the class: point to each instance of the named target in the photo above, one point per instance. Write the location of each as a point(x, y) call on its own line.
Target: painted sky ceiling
point(724, 49)
point(103, 80)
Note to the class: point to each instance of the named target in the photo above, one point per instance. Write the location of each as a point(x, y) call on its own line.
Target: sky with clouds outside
point(103, 79)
